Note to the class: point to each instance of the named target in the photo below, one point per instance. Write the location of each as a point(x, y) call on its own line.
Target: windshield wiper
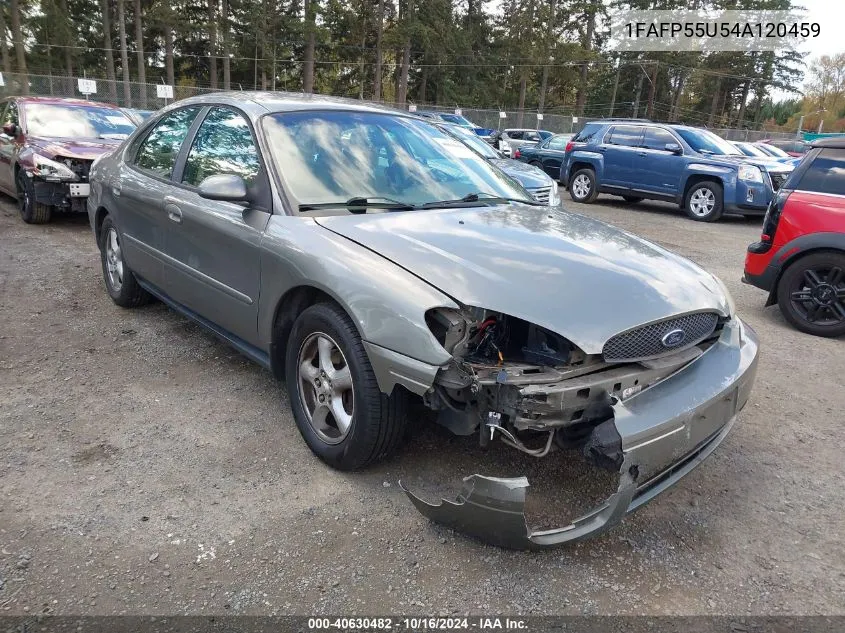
point(361, 204)
point(477, 197)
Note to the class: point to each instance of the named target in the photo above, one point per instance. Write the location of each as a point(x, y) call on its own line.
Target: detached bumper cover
point(666, 431)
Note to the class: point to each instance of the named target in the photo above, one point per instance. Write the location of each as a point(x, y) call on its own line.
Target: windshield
point(457, 119)
point(332, 157)
point(706, 142)
point(773, 151)
point(472, 140)
point(750, 150)
point(76, 121)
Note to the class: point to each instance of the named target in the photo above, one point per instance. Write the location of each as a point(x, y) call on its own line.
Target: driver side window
point(223, 145)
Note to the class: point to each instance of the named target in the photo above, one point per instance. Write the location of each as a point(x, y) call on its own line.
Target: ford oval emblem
point(673, 338)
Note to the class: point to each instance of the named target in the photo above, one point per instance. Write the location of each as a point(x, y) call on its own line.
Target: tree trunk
point(68, 41)
point(124, 53)
point(379, 32)
point(740, 119)
point(110, 75)
point(227, 65)
point(20, 52)
point(652, 87)
point(7, 63)
point(402, 95)
point(636, 108)
point(587, 45)
point(168, 54)
point(676, 102)
point(139, 46)
point(212, 43)
point(544, 80)
point(714, 103)
point(310, 44)
point(523, 72)
point(423, 84)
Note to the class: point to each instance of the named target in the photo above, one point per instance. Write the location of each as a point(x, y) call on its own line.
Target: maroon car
point(47, 146)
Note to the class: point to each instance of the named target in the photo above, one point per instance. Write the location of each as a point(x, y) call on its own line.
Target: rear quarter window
point(588, 133)
point(826, 173)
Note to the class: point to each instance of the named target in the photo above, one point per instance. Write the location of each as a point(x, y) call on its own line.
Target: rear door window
point(826, 174)
point(157, 153)
point(625, 135)
point(515, 134)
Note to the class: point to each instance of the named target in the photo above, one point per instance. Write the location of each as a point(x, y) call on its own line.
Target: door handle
point(642, 153)
point(602, 149)
point(173, 211)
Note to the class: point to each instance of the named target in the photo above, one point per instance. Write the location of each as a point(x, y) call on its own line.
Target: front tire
point(339, 409)
point(32, 212)
point(704, 201)
point(121, 284)
point(582, 186)
point(811, 294)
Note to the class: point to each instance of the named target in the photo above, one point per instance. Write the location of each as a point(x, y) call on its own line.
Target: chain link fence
point(144, 96)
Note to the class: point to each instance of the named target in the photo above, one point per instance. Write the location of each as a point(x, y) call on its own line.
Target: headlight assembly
point(51, 169)
point(750, 173)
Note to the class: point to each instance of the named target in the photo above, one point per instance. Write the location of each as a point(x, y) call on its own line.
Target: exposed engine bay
point(532, 388)
point(651, 418)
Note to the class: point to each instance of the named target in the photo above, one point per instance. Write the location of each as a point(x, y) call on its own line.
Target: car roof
point(833, 142)
point(65, 101)
point(258, 102)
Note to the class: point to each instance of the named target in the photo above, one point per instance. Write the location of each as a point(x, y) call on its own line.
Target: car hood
point(576, 276)
point(765, 164)
point(525, 174)
point(85, 149)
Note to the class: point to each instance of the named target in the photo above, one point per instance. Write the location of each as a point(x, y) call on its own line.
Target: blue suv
point(692, 167)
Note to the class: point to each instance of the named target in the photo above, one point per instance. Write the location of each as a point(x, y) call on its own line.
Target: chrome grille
point(647, 341)
point(778, 179)
point(541, 194)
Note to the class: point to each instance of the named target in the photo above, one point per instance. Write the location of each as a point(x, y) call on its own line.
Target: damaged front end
point(649, 414)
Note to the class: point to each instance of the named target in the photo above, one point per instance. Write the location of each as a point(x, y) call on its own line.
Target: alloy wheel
point(581, 186)
point(114, 260)
point(325, 387)
point(819, 296)
point(702, 202)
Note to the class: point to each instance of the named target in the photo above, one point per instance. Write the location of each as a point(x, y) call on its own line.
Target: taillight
point(516, 153)
point(770, 223)
point(569, 146)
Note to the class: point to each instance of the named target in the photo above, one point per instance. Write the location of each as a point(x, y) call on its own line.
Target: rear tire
point(704, 201)
point(582, 186)
point(121, 284)
point(32, 212)
point(347, 427)
point(811, 294)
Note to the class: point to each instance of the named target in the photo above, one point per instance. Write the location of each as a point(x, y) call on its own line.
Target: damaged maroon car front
point(47, 147)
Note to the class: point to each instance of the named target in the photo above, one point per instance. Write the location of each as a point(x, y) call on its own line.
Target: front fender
point(386, 302)
point(587, 157)
point(725, 175)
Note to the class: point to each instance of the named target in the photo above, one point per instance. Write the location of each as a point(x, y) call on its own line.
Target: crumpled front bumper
point(666, 431)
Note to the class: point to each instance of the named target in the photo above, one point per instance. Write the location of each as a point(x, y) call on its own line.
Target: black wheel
point(582, 186)
point(337, 404)
point(811, 294)
point(632, 199)
point(31, 211)
point(121, 284)
point(704, 201)
point(537, 164)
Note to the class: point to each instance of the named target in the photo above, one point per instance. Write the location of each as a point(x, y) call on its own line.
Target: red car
point(800, 258)
point(47, 146)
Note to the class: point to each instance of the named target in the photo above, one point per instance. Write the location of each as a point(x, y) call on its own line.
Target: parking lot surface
point(146, 467)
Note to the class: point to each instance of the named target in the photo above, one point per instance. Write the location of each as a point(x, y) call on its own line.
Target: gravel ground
point(145, 467)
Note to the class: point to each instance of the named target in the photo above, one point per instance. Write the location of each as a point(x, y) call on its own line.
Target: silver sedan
point(368, 259)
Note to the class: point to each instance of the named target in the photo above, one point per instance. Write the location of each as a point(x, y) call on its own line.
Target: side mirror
point(674, 148)
point(10, 129)
point(226, 187)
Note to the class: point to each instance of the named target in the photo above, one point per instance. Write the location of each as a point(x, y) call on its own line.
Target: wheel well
point(694, 180)
point(579, 165)
point(794, 259)
point(289, 307)
point(99, 217)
